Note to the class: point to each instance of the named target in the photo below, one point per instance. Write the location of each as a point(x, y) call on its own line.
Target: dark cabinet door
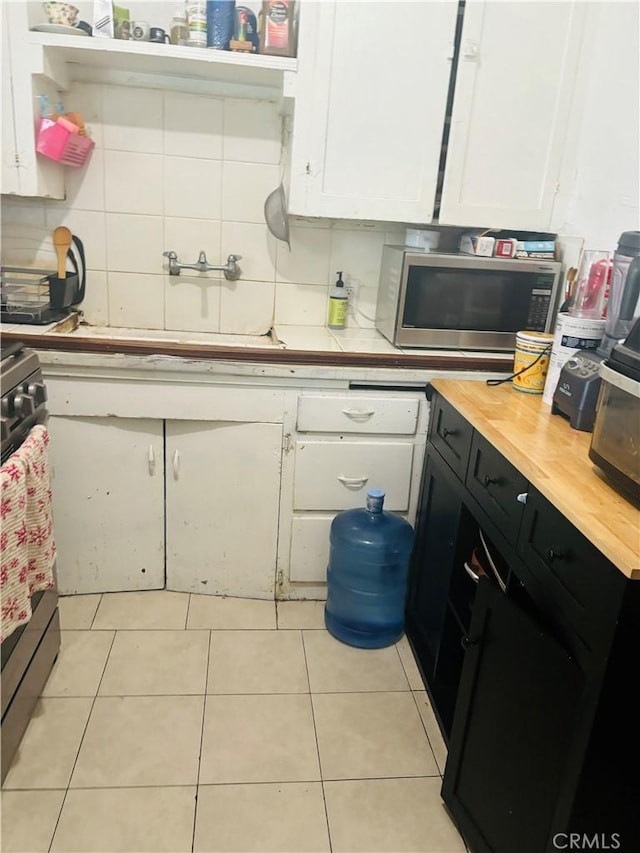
point(512, 731)
point(432, 563)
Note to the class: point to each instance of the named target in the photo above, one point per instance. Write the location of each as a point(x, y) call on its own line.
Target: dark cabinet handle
point(467, 641)
point(554, 555)
point(491, 481)
point(447, 432)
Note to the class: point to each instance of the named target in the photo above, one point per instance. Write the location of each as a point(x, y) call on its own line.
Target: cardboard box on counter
point(477, 244)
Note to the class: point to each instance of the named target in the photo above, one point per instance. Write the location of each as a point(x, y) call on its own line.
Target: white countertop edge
point(178, 368)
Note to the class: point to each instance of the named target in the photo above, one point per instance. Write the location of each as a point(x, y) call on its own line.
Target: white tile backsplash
point(257, 247)
point(192, 303)
point(193, 126)
point(308, 260)
point(95, 305)
point(133, 182)
point(135, 243)
point(246, 307)
point(188, 237)
point(191, 172)
point(245, 187)
point(301, 303)
point(252, 131)
point(192, 188)
point(85, 185)
point(136, 300)
point(131, 122)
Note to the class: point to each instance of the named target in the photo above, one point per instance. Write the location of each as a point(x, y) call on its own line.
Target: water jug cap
point(629, 242)
point(375, 499)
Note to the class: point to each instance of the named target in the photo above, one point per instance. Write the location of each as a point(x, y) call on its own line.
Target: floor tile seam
point(315, 734)
point(404, 669)
point(204, 714)
point(186, 616)
point(415, 699)
point(95, 612)
point(84, 733)
point(98, 788)
point(381, 778)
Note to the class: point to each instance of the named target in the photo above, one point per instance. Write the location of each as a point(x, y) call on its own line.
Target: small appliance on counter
point(577, 390)
point(578, 387)
point(615, 444)
point(39, 296)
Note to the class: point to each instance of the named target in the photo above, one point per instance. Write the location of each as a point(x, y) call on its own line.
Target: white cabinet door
point(9, 167)
point(223, 488)
point(28, 66)
point(513, 93)
point(370, 103)
point(108, 512)
point(310, 548)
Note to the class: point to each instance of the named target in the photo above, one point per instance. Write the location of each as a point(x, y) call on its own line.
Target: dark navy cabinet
point(530, 670)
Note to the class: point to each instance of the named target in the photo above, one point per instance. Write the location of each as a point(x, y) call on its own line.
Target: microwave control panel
point(538, 308)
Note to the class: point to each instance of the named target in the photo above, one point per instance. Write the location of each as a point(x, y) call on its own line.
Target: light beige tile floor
point(189, 723)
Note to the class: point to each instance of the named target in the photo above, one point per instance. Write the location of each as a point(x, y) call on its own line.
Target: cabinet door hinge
point(556, 189)
point(279, 577)
point(287, 443)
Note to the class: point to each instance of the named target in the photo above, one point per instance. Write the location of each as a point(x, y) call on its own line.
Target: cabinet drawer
point(331, 475)
point(581, 589)
point(496, 484)
point(451, 434)
point(357, 414)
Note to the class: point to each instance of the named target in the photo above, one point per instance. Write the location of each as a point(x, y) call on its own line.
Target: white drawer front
point(310, 548)
point(391, 415)
point(331, 475)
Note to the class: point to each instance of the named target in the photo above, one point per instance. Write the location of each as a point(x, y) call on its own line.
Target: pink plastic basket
point(58, 143)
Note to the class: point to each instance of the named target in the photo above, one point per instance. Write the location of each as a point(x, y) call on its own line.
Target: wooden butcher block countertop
point(554, 458)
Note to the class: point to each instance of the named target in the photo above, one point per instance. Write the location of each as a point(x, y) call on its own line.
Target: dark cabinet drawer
point(581, 590)
point(451, 434)
point(496, 485)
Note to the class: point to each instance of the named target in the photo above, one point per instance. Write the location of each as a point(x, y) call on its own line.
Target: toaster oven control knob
point(24, 405)
point(38, 391)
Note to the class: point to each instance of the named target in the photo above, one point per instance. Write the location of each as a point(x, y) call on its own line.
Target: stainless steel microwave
point(434, 300)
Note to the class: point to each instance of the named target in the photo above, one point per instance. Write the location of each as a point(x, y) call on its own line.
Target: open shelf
point(156, 65)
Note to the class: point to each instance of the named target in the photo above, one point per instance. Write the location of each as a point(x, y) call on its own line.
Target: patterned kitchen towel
point(27, 545)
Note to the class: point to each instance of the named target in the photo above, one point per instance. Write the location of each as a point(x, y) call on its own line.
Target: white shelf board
point(88, 58)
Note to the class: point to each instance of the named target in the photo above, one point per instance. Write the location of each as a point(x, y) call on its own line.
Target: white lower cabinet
point(223, 488)
point(209, 526)
point(108, 503)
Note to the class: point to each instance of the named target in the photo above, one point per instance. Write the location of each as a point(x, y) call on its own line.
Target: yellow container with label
point(533, 351)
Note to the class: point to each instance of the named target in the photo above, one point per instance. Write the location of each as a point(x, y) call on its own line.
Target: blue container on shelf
point(220, 22)
point(367, 575)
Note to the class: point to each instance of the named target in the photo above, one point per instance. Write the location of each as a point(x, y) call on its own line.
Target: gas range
point(23, 395)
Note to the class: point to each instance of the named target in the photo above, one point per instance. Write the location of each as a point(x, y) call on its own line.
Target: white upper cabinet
point(513, 93)
point(370, 103)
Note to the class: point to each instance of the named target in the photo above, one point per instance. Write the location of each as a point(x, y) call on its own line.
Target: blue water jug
point(367, 575)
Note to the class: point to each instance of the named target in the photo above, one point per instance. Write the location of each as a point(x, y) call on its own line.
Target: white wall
point(189, 172)
point(600, 186)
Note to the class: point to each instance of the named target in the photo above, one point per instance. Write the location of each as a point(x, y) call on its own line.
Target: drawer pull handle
point(554, 555)
point(447, 432)
point(466, 641)
point(491, 481)
point(353, 482)
point(359, 413)
point(474, 577)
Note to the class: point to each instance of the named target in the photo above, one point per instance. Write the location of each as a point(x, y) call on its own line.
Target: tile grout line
point(186, 618)
point(204, 711)
point(315, 733)
point(95, 613)
point(84, 732)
